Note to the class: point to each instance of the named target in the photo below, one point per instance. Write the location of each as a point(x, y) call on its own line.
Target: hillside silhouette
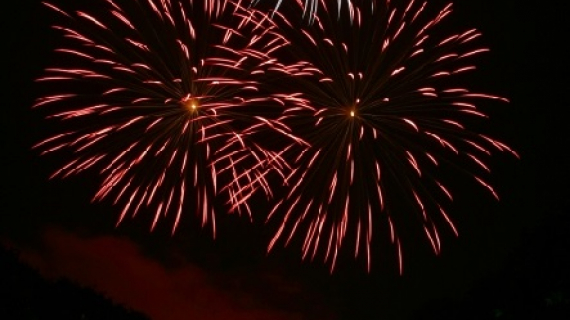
point(26, 295)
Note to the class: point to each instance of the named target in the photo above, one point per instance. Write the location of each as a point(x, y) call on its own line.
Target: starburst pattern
point(389, 115)
point(166, 100)
point(363, 108)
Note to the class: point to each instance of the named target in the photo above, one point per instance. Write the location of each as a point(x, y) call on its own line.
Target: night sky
point(190, 276)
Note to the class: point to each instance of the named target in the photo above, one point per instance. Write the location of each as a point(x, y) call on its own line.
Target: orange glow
point(191, 104)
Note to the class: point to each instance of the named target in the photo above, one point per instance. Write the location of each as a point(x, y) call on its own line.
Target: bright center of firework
point(191, 104)
point(352, 113)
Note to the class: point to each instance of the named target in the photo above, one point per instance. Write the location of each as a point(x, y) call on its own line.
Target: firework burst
point(165, 99)
point(387, 109)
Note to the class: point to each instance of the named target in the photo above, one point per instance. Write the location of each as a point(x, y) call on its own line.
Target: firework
point(387, 111)
point(310, 7)
point(165, 100)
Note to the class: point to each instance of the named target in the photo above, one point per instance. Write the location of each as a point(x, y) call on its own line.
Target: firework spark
point(165, 99)
point(387, 110)
point(310, 7)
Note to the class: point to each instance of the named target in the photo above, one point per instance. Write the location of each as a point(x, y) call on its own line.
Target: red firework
point(386, 109)
point(166, 100)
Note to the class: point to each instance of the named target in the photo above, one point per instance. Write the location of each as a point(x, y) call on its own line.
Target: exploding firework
point(387, 111)
point(165, 99)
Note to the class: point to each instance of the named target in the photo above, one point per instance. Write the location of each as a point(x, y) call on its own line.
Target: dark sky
point(190, 276)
